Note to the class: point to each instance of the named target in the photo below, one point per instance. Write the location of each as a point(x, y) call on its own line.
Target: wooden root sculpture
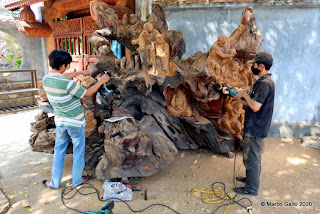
point(157, 103)
point(43, 137)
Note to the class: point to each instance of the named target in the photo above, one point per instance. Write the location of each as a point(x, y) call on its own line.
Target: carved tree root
point(147, 141)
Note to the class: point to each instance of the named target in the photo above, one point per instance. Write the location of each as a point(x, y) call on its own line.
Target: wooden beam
point(60, 8)
point(35, 29)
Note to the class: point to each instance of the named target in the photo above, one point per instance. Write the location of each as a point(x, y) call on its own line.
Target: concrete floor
point(290, 173)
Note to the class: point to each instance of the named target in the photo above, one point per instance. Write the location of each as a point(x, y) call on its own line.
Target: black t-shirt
point(257, 124)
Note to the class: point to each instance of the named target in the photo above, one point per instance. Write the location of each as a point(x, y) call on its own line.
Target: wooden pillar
point(49, 40)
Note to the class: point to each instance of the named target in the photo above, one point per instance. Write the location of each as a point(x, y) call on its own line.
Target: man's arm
point(91, 91)
point(74, 74)
point(254, 105)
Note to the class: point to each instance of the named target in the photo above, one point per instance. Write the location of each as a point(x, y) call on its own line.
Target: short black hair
point(57, 58)
point(267, 66)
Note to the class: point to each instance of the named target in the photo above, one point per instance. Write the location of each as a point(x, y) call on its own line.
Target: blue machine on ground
point(107, 209)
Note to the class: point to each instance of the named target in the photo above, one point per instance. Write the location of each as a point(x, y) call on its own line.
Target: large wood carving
point(158, 102)
point(117, 6)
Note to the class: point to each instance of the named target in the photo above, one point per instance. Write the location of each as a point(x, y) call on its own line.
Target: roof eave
point(16, 4)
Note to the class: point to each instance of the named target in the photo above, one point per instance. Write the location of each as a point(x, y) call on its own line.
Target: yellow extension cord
point(205, 194)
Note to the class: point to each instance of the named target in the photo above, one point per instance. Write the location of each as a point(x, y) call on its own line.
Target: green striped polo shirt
point(64, 96)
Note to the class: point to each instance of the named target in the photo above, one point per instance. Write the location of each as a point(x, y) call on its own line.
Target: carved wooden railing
point(72, 36)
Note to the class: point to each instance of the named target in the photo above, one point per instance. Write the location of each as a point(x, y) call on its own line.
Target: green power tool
point(107, 209)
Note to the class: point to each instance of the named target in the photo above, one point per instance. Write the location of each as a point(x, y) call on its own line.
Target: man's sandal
point(46, 184)
point(85, 178)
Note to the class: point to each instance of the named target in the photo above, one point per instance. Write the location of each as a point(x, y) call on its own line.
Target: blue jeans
point(63, 135)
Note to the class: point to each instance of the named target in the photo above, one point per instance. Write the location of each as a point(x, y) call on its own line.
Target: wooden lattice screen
point(72, 36)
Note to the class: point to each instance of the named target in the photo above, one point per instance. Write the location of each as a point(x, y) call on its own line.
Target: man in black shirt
point(257, 123)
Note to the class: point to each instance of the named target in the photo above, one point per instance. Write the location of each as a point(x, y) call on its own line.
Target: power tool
point(107, 209)
point(231, 90)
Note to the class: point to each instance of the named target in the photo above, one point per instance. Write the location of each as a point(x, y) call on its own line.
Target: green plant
point(64, 18)
point(15, 13)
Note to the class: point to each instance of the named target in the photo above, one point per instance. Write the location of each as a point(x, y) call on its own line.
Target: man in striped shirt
point(64, 96)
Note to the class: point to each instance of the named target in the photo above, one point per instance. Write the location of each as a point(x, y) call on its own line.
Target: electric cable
point(218, 195)
point(67, 190)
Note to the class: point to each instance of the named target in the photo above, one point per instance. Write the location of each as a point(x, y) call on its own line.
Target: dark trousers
point(252, 161)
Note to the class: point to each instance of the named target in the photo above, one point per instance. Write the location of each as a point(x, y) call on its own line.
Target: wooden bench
point(23, 90)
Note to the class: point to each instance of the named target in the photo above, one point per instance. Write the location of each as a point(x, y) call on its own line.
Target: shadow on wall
point(290, 35)
point(202, 28)
point(293, 130)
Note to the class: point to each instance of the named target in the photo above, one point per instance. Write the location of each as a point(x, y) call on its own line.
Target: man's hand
point(229, 90)
point(105, 78)
point(254, 105)
point(225, 90)
point(91, 91)
point(241, 93)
